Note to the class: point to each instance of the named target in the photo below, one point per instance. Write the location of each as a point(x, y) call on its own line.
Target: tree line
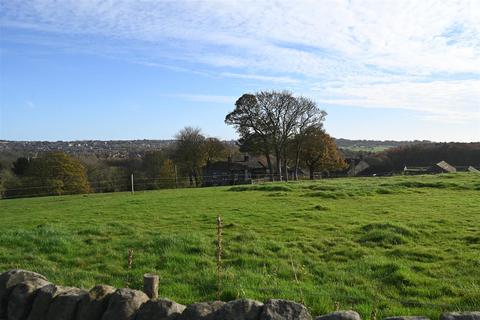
point(285, 130)
point(57, 173)
point(424, 155)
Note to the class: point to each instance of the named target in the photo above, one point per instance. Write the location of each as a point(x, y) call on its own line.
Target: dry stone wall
point(26, 295)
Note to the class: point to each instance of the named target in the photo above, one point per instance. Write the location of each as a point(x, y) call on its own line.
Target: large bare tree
point(274, 117)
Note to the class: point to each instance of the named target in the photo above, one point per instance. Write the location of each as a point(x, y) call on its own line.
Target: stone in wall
point(8, 280)
point(475, 315)
point(340, 315)
point(64, 305)
point(279, 309)
point(242, 309)
point(201, 310)
point(42, 301)
point(21, 298)
point(123, 304)
point(93, 305)
point(161, 309)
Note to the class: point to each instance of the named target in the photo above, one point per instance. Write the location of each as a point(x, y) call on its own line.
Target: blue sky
point(389, 69)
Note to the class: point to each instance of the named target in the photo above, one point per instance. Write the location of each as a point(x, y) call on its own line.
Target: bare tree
point(274, 118)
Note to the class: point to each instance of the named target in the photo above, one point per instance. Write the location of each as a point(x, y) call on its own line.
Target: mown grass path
point(404, 245)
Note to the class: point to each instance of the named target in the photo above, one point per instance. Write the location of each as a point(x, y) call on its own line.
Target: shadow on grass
point(384, 234)
point(267, 188)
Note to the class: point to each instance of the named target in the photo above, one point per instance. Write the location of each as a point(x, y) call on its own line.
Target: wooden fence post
point(176, 177)
point(150, 285)
point(131, 181)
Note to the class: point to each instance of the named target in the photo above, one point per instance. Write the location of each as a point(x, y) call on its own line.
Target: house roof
point(226, 166)
point(357, 168)
point(473, 169)
point(253, 163)
point(245, 163)
point(446, 167)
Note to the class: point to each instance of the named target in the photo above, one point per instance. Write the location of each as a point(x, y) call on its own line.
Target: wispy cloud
point(280, 79)
point(382, 54)
point(209, 98)
point(454, 101)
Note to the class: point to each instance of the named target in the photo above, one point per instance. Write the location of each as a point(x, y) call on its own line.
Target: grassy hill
point(404, 245)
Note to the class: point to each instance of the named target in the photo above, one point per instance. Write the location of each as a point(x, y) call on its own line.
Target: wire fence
point(132, 183)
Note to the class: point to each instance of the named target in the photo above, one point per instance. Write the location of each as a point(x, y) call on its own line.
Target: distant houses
point(233, 171)
point(357, 167)
point(362, 167)
point(472, 169)
point(440, 167)
point(247, 169)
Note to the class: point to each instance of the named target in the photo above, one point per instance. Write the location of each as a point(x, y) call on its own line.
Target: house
point(473, 169)
point(230, 172)
point(357, 166)
point(442, 167)
point(415, 170)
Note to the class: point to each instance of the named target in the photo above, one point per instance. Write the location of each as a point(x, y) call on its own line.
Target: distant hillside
point(103, 149)
point(123, 148)
point(373, 145)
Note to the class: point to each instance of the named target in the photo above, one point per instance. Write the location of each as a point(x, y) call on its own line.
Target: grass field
point(404, 245)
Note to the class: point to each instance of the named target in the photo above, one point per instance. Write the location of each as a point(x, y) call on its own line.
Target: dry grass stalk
point(302, 299)
point(219, 257)
point(373, 315)
point(129, 266)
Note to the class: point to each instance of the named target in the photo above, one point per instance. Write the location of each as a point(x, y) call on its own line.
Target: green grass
point(404, 245)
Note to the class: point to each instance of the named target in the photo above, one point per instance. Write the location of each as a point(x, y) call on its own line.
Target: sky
point(383, 69)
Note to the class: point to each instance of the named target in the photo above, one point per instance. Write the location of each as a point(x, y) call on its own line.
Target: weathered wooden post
point(150, 285)
point(176, 177)
point(131, 181)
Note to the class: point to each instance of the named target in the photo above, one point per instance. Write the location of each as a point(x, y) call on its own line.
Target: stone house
point(442, 167)
point(233, 171)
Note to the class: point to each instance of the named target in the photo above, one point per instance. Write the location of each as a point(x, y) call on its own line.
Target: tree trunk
point(278, 162)
point(285, 169)
point(190, 177)
point(297, 161)
point(269, 163)
point(311, 168)
point(195, 175)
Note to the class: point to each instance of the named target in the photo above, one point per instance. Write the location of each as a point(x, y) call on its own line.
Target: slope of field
point(403, 245)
